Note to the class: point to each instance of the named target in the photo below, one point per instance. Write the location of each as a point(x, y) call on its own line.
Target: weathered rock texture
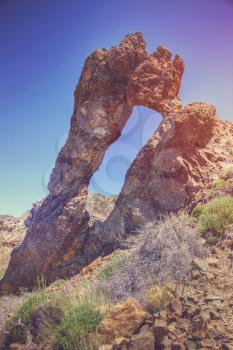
point(170, 172)
point(12, 232)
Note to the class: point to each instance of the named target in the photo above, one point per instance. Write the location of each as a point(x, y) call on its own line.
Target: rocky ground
point(198, 315)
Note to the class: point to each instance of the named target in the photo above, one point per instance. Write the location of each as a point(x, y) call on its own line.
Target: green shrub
point(220, 183)
point(111, 266)
point(67, 319)
point(28, 309)
point(197, 211)
point(78, 321)
point(217, 214)
point(57, 283)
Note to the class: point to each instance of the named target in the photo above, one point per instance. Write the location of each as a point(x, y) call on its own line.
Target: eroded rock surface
point(169, 173)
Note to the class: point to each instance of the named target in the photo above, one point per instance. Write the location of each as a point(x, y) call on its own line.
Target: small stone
point(190, 345)
point(143, 340)
point(213, 262)
point(215, 315)
point(216, 330)
point(229, 231)
point(212, 297)
point(105, 347)
point(160, 330)
point(122, 342)
point(176, 309)
point(205, 314)
point(208, 343)
point(200, 264)
point(226, 346)
point(210, 276)
point(196, 274)
point(199, 327)
point(166, 344)
point(178, 346)
point(183, 324)
point(17, 346)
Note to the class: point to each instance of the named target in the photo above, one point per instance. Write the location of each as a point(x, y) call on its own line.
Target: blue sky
point(43, 47)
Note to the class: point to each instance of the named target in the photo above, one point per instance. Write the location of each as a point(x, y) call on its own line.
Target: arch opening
point(109, 178)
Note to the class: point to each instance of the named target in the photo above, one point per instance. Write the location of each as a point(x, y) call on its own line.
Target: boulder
point(143, 340)
point(124, 320)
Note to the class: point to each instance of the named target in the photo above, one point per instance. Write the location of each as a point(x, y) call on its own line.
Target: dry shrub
point(163, 251)
point(158, 297)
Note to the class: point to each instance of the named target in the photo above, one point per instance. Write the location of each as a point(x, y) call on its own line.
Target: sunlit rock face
point(169, 173)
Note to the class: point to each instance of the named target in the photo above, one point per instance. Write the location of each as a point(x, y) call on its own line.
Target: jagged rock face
point(175, 168)
point(166, 176)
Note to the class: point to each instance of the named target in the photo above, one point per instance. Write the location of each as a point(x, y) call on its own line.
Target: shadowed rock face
point(168, 174)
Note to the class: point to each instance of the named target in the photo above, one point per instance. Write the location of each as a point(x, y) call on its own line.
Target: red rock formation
point(168, 174)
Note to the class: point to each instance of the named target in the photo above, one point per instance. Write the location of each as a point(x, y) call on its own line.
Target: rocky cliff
point(180, 160)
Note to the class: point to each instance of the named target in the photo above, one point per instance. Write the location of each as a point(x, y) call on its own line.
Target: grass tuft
point(197, 211)
point(220, 183)
point(78, 322)
point(158, 298)
point(28, 309)
point(217, 214)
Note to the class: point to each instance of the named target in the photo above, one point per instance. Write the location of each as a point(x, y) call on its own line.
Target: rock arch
point(58, 241)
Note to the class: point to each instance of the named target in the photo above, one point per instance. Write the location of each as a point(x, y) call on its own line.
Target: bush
point(29, 308)
point(197, 211)
point(220, 183)
point(65, 320)
point(78, 321)
point(217, 214)
point(82, 311)
point(163, 250)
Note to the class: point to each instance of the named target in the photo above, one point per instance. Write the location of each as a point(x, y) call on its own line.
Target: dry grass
point(158, 297)
point(163, 251)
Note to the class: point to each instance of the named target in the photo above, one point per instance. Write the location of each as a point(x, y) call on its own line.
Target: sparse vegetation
point(163, 250)
point(79, 320)
point(32, 303)
point(220, 183)
point(158, 297)
point(197, 211)
point(217, 214)
point(67, 320)
point(57, 283)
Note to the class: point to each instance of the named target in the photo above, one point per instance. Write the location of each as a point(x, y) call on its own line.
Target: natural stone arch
point(109, 178)
point(58, 241)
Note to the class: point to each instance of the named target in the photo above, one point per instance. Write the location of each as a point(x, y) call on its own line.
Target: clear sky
point(43, 45)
